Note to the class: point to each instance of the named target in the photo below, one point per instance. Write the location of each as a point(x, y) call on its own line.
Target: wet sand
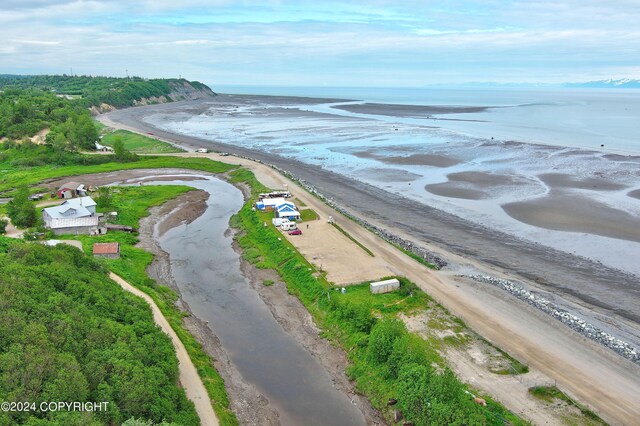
point(561, 180)
point(566, 212)
point(634, 194)
point(475, 185)
point(434, 160)
point(396, 110)
point(588, 282)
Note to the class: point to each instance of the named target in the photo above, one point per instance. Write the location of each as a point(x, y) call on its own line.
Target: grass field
point(139, 144)
point(16, 176)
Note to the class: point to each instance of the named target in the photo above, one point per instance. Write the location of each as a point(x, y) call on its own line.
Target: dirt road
point(189, 378)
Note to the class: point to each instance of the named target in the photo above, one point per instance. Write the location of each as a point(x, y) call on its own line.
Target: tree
point(383, 336)
point(118, 148)
point(3, 226)
point(21, 210)
point(104, 198)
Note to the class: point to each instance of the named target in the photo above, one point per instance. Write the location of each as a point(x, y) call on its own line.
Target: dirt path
point(189, 378)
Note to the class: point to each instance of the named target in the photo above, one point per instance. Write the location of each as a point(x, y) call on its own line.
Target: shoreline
point(577, 363)
point(583, 280)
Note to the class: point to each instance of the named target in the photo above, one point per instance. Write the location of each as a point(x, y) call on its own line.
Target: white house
point(74, 216)
point(287, 210)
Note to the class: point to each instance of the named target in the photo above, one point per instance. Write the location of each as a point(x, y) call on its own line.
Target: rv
point(288, 226)
point(277, 221)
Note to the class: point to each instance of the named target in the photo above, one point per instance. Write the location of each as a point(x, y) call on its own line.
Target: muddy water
point(207, 272)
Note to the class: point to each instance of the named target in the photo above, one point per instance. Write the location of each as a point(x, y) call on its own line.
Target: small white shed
point(384, 286)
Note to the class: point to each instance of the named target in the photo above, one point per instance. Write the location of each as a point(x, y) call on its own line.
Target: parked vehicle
point(295, 232)
point(277, 221)
point(202, 150)
point(288, 226)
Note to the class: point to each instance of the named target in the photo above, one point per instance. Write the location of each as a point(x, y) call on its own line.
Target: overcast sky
point(321, 42)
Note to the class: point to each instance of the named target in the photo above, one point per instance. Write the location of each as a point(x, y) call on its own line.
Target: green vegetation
point(132, 203)
point(308, 214)
point(415, 257)
point(94, 91)
point(551, 393)
point(268, 283)
point(68, 333)
point(28, 164)
point(21, 210)
point(515, 366)
point(138, 144)
point(23, 113)
point(387, 360)
point(348, 235)
point(3, 226)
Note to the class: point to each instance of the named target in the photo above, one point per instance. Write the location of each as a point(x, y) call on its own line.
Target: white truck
point(278, 221)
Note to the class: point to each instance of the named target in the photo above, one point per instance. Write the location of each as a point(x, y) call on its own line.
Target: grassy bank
point(139, 144)
point(387, 362)
point(133, 203)
point(15, 175)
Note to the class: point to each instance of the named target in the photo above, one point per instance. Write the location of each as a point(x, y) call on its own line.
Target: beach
point(602, 295)
point(578, 278)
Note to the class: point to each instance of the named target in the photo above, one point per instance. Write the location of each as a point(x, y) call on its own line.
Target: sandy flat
point(561, 180)
point(475, 185)
point(634, 194)
point(408, 110)
point(388, 175)
point(435, 160)
point(565, 212)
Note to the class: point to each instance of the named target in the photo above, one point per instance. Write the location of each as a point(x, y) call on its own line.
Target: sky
point(374, 43)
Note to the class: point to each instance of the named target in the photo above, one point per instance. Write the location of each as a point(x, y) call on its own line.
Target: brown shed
point(110, 250)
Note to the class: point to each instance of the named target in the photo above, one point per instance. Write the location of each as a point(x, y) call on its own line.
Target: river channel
point(207, 272)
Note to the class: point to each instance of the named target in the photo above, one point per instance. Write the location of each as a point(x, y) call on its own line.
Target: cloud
point(361, 42)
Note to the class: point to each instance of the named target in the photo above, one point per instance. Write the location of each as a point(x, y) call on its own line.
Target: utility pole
point(127, 72)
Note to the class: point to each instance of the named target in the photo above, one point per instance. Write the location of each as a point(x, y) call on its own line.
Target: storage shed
point(384, 286)
point(110, 250)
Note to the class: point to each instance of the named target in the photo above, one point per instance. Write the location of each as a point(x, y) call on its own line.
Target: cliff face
point(181, 90)
point(184, 90)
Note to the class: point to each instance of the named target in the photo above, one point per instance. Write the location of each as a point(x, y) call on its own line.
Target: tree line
point(94, 91)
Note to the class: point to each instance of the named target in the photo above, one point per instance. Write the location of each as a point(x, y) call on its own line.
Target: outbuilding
point(385, 286)
point(71, 189)
point(109, 250)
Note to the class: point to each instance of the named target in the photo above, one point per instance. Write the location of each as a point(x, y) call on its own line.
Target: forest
point(68, 333)
point(94, 91)
point(25, 112)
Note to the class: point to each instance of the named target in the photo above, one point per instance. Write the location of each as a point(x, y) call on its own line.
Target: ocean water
point(468, 164)
point(584, 118)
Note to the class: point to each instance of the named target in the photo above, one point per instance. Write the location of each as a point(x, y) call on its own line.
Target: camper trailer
point(288, 226)
point(278, 221)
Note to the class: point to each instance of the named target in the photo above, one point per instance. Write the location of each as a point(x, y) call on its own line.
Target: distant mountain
point(624, 83)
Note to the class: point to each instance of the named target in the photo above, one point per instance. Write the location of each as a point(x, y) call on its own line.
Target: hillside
point(101, 93)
